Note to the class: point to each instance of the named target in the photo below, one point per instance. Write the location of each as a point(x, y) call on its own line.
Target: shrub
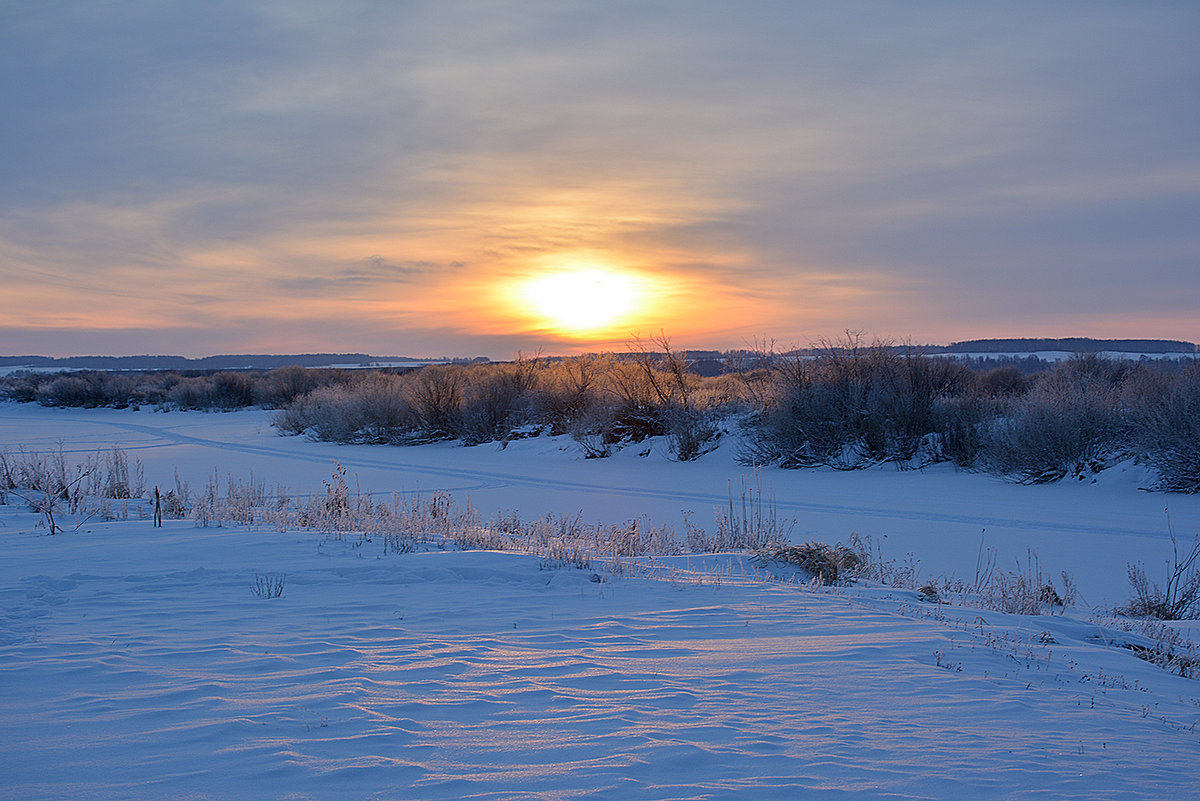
point(1178, 598)
point(47, 482)
point(1024, 592)
point(1167, 647)
point(496, 401)
point(378, 408)
point(435, 396)
point(1167, 423)
point(566, 390)
point(268, 585)
point(230, 390)
point(374, 408)
point(326, 413)
point(853, 406)
point(173, 505)
point(960, 424)
point(1070, 423)
point(191, 392)
point(279, 387)
point(72, 390)
point(1002, 382)
point(691, 433)
point(828, 564)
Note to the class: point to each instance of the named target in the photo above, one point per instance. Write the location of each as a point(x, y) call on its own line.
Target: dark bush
point(1002, 382)
point(1069, 423)
point(435, 395)
point(191, 392)
point(496, 401)
point(1167, 424)
point(854, 406)
point(73, 390)
point(566, 390)
point(232, 390)
point(277, 388)
point(960, 423)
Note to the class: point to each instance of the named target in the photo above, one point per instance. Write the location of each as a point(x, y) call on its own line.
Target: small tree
point(668, 375)
point(45, 482)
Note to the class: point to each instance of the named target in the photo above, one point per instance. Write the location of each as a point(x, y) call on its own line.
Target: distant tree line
point(252, 361)
point(1068, 345)
point(844, 405)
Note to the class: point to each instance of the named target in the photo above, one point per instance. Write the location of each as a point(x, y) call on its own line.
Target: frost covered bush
point(232, 390)
point(1070, 423)
point(89, 389)
point(374, 408)
point(434, 403)
point(690, 432)
point(71, 390)
point(48, 483)
point(566, 390)
point(1047, 439)
point(1167, 420)
point(603, 401)
point(852, 406)
point(656, 393)
point(58, 486)
point(279, 387)
point(959, 428)
point(496, 402)
point(435, 394)
point(630, 409)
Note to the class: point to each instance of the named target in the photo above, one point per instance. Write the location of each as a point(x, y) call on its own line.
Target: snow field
point(137, 663)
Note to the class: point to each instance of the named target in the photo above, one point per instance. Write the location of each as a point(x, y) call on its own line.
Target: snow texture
point(137, 663)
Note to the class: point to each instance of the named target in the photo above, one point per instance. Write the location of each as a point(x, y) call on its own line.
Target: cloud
point(918, 170)
point(369, 274)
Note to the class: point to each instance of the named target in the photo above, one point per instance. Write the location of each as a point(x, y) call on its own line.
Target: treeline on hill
point(1069, 345)
point(846, 405)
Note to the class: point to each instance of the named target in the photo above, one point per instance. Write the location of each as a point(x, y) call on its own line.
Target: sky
point(488, 178)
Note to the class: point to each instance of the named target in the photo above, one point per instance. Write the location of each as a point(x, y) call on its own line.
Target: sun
point(581, 300)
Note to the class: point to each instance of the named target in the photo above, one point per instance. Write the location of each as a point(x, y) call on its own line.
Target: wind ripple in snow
point(478, 675)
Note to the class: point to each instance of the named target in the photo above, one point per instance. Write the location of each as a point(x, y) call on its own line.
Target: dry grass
point(828, 564)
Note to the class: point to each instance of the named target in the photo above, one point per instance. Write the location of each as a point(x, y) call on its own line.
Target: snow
point(136, 662)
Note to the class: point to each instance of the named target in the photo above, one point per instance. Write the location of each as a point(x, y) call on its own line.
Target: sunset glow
point(581, 300)
point(371, 177)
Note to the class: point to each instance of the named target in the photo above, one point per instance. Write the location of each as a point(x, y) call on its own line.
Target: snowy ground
point(136, 663)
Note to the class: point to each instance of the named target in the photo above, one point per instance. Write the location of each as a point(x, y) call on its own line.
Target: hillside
point(1069, 344)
